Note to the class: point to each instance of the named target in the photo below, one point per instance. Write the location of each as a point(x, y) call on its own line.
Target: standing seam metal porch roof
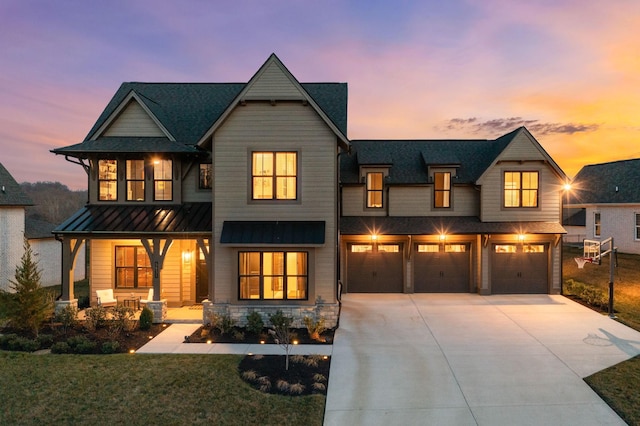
point(131, 220)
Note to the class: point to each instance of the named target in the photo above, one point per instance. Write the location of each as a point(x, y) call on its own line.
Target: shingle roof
point(607, 183)
point(10, 192)
point(188, 110)
point(410, 158)
point(38, 229)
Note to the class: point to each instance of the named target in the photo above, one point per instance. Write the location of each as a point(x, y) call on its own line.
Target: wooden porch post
point(70, 248)
point(157, 253)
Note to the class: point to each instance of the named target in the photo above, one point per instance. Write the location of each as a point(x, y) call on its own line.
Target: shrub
point(238, 335)
point(255, 324)
point(45, 340)
point(123, 319)
point(60, 348)
point(67, 317)
point(146, 318)
point(5, 339)
point(95, 318)
point(223, 323)
point(110, 347)
point(19, 343)
point(314, 328)
point(296, 388)
point(81, 345)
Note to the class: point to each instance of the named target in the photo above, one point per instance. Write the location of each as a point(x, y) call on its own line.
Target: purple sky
point(567, 69)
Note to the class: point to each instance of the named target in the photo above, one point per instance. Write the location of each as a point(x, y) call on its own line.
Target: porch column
point(70, 248)
point(157, 252)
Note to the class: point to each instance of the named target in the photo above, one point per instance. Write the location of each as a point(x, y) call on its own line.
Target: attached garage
point(519, 268)
point(374, 268)
point(441, 268)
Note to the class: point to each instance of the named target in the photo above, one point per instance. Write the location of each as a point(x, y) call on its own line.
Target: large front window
point(374, 189)
point(279, 275)
point(442, 189)
point(274, 175)
point(133, 268)
point(521, 189)
point(163, 180)
point(108, 180)
point(135, 180)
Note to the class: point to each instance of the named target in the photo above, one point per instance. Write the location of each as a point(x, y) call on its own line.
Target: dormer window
point(108, 180)
point(163, 180)
point(375, 184)
point(442, 189)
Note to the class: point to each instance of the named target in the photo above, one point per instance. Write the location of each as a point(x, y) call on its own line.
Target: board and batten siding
point(134, 121)
point(285, 126)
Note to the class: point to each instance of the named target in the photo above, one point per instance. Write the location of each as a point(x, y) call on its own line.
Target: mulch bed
point(241, 335)
point(307, 374)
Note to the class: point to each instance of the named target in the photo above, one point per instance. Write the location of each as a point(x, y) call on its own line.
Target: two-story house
point(220, 194)
point(451, 216)
point(606, 197)
point(249, 197)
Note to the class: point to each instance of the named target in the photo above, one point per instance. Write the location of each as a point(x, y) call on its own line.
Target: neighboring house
point(451, 216)
point(13, 201)
point(249, 197)
point(609, 196)
point(47, 252)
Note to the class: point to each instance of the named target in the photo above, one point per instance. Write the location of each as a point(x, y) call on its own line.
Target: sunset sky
point(569, 70)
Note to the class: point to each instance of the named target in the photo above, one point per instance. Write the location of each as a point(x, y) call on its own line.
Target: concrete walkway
point(170, 341)
point(464, 359)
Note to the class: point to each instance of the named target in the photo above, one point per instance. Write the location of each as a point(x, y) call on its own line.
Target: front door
point(202, 280)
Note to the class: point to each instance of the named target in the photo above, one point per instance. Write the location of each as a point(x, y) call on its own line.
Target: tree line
point(53, 201)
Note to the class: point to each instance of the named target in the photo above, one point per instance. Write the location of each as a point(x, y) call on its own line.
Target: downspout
point(338, 240)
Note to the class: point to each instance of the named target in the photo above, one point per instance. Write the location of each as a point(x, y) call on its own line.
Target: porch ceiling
point(366, 225)
point(120, 220)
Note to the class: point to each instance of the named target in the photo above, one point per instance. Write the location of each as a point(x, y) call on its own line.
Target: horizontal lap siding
point(285, 126)
point(134, 121)
point(191, 193)
point(418, 201)
point(618, 222)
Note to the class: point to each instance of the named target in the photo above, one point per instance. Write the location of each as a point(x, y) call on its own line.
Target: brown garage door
point(441, 268)
point(374, 268)
point(519, 268)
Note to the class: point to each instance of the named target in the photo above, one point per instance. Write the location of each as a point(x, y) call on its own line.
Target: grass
point(617, 385)
point(141, 389)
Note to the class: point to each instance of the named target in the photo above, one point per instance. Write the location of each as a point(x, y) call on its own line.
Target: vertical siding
point(134, 121)
point(11, 243)
point(286, 126)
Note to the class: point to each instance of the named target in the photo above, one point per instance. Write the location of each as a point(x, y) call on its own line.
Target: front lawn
point(141, 389)
point(618, 385)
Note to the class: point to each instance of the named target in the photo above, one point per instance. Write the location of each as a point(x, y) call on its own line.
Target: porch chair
point(148, 299)
point(105, 298)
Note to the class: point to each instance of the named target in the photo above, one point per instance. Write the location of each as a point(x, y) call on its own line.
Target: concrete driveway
point(465, 359)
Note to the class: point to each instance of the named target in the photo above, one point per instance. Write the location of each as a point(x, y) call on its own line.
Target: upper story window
point(108, 180)
point(442, 189)
point(274, 175)
point(162, 180)
point(374, 189)
point(596, 224)
point(205, 176)
point(521, 189)
point(135, 180)
point(637, 226)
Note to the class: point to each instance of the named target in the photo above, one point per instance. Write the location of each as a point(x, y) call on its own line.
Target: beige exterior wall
point(177, 278)
point(273, 84)
point(191, 193)
point(11, 243)
point(134, 121)
point(285, 126)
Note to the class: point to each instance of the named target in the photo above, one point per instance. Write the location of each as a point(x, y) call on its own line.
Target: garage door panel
point(439, 271)
point(376, 271)
point(519, 269)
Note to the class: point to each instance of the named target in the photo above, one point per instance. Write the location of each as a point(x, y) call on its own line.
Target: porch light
point(374, 237)
point(443, 237)
point(186, 257)
point(567, 186)
point(520, 237)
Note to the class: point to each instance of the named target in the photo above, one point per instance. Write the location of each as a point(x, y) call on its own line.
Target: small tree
point(281, 331)
point(30, 305)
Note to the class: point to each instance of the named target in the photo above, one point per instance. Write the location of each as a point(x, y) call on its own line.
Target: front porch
point(184, 314)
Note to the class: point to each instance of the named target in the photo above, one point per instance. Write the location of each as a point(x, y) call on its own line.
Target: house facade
point(250, 197)
point(609, 201)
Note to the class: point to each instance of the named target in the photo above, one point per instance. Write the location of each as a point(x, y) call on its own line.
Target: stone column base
point(61, 304)
point(159, 309)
